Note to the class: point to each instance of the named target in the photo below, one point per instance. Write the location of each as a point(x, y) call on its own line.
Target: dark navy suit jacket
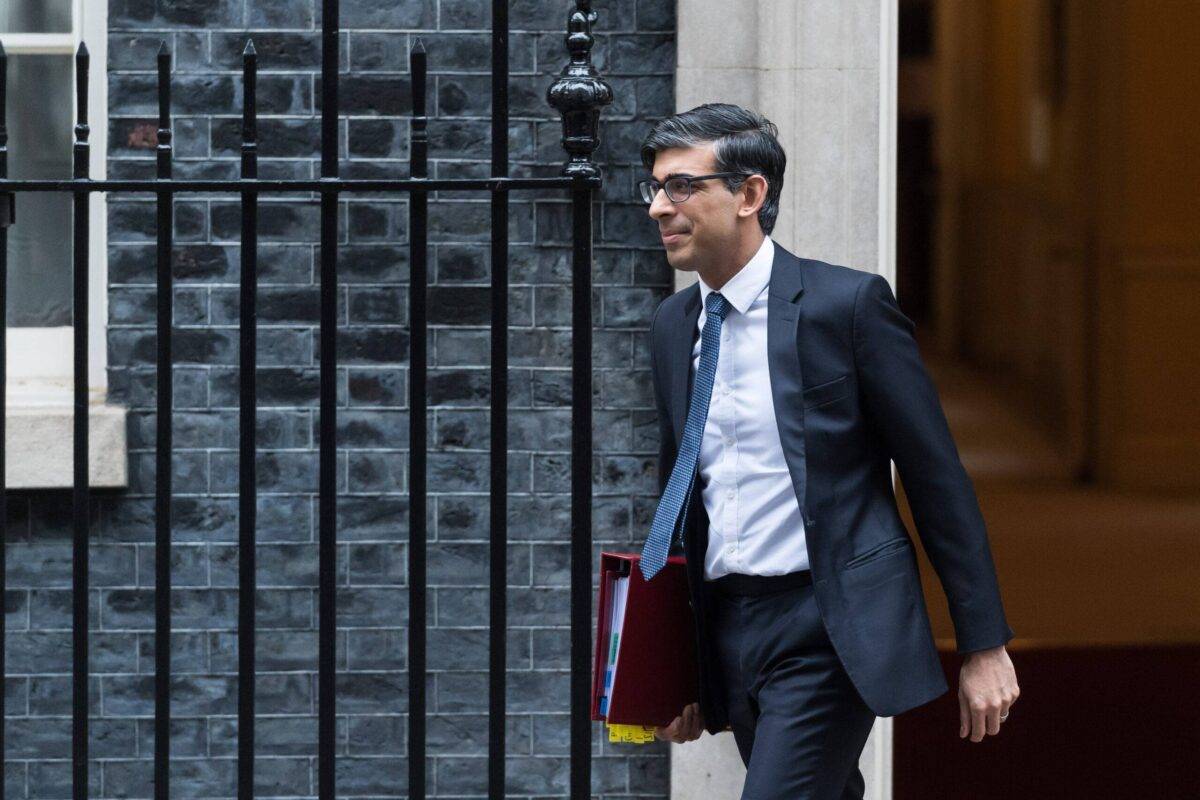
point(850, 394)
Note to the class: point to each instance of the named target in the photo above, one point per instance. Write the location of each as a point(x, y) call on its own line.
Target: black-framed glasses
point(679, 187)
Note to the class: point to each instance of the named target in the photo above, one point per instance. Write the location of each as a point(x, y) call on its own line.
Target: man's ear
point(758, 191)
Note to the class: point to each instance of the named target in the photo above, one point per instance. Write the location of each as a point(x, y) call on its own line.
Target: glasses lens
point(678, 189)
point(647, 190)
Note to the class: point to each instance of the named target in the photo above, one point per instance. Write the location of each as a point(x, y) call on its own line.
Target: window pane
point(35, 16)
point(40, 120)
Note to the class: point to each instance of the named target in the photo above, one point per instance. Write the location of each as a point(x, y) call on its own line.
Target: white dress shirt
point(755, 524)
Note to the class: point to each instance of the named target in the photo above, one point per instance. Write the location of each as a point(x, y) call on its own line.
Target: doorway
point(1047, 250)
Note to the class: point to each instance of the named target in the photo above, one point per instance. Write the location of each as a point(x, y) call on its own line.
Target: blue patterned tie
point(678, 494)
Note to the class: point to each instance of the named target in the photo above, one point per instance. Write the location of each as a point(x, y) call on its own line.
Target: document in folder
point(645, 664)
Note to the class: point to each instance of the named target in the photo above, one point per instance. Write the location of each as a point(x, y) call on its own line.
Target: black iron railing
point(578, 94)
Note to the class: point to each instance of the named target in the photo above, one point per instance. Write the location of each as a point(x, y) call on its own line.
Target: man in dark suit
point(785, 387)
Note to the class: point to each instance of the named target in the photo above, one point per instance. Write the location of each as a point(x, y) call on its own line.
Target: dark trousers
point(799, 723)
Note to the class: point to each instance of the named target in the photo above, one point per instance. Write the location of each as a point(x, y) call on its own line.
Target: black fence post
point(7, 207)
point(79, 559)
point(418, 279)
point(247, 417)
point(327, 528)
point(498, 539)
point(162, 446)
point(578, 94)
point(5, 220)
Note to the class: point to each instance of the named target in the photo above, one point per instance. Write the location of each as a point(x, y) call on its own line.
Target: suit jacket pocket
point(826, 392)
point(890, 547)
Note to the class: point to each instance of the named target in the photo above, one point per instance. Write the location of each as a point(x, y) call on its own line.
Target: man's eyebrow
point(676, 175)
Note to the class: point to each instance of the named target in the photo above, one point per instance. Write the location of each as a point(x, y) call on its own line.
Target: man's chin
point(679, 258)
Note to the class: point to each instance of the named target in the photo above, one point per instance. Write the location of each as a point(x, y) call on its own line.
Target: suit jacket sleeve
point(903, 404)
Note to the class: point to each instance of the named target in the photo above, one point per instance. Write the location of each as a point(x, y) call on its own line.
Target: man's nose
point(661, 205)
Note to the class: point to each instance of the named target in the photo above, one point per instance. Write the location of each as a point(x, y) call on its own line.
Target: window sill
point(40, 451)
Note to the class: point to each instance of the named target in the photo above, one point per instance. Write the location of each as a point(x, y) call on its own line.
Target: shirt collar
point(747, 283)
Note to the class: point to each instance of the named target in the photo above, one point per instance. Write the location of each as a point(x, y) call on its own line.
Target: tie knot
point(716, 305)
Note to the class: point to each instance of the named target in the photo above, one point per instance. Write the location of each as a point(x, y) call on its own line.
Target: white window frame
point(39, 434)
point(41, 360)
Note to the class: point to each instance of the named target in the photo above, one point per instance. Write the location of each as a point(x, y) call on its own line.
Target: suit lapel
point(783, 358)
point(783, 364)
point(683, 339)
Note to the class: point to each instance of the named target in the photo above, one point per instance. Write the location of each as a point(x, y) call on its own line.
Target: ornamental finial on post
point(578, 95)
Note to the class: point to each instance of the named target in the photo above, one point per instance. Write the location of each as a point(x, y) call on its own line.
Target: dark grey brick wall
point(635, 52)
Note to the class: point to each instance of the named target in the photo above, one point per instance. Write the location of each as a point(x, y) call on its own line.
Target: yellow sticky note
point(632, 734)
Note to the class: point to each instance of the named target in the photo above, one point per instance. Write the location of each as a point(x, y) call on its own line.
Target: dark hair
point(743, 141)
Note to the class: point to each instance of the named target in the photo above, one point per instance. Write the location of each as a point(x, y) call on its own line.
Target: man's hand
point(987, 688)
point(686, 727)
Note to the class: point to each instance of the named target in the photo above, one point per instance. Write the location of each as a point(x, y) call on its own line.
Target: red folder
point(656, 674)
